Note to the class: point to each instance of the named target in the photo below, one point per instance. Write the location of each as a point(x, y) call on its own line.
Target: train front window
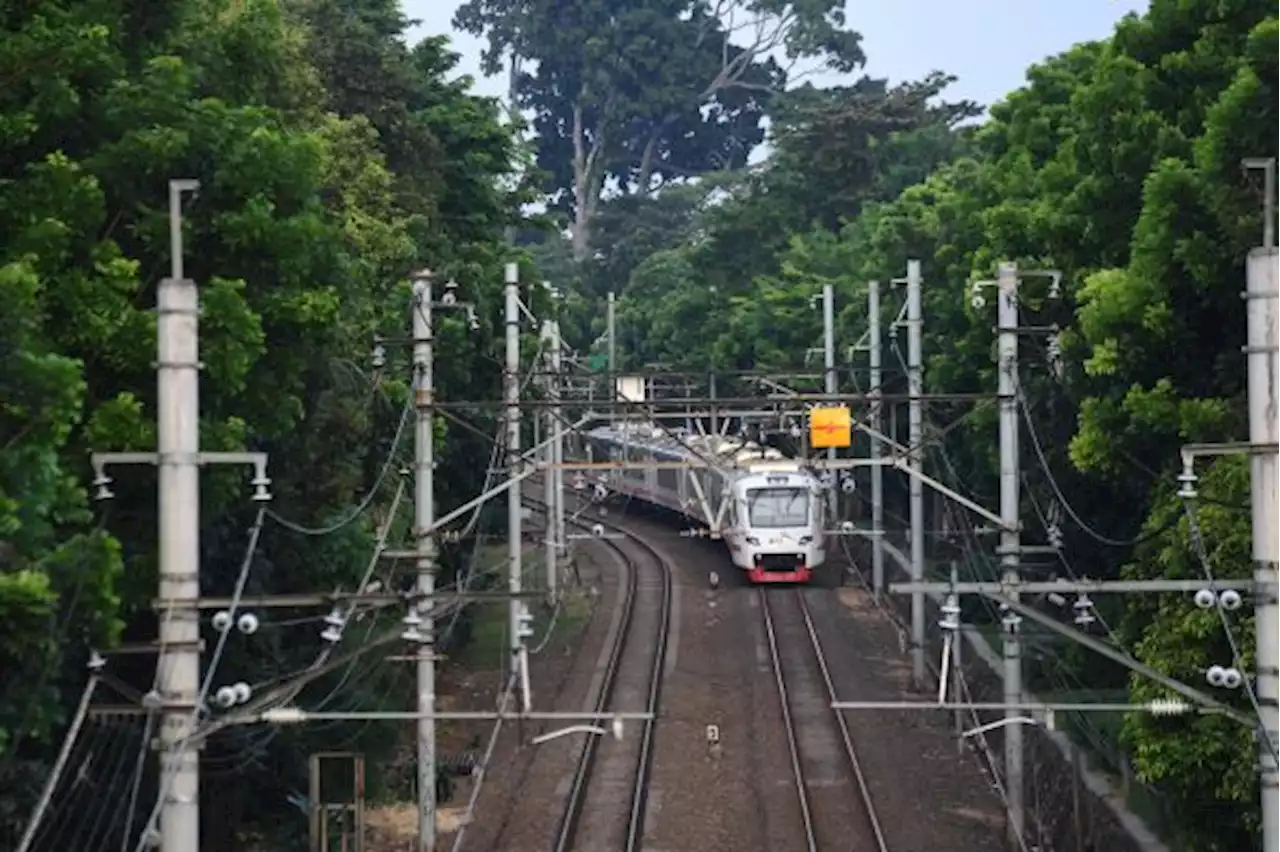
point(778, 507)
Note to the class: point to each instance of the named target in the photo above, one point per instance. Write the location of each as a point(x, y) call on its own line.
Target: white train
point(767, 508)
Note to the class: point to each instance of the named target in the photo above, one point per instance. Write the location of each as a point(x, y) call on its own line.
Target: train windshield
point(778, 507)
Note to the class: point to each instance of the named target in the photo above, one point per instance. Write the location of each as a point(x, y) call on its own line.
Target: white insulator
point(1204, 599)
point(225, 696)
point(221, 620)
point(1230, 600)
point(1168, 707)
point(247, 624)
point(1217, 676)
point(242, 692)
point(1231, 678)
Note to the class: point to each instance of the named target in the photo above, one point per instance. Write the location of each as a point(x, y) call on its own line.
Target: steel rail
point(793, 742)
point(568, 827)
point(864, 790)
point(793, 745)
point(640, 795)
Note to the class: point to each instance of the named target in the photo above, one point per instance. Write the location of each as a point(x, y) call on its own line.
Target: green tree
point(301, 231)
point(643, 94)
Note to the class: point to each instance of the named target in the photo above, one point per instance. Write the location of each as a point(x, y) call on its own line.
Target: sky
point(987, 44)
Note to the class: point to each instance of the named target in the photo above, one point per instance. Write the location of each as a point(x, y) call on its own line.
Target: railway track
point(607, 800)
point(835, 802)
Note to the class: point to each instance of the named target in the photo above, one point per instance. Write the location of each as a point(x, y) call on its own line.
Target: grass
point(486, 648)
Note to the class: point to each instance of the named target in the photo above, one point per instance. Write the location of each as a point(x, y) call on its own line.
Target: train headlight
point(805, 539)
point(752, 540)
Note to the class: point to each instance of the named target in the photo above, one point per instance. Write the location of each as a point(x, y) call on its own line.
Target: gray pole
point(611, 331)
point(1010, 539)
point(829, 370)
point(424, 518)
point(1264, 405)
point(557, 457)
point(178, 444)
point(877, 423)
point(513, 108)
point(511, 381)
point(549, 458)
point(711, 394)
point(915, 369)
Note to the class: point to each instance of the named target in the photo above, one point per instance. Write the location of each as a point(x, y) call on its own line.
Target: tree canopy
point(1117, 163)
point(332, 160)
point(637, 95)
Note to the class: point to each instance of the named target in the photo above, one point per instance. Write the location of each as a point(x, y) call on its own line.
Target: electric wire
point(107, 799)
point(1202, 555)
point(167, 777)
point(93, 790)
point(365, 501)
point(1025, 409)
point(986, 756)
point(352, 611)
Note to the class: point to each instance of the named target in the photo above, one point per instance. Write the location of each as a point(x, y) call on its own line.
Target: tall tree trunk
point(587, 182)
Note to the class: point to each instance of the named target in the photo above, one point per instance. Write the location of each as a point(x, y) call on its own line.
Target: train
point(767, 508)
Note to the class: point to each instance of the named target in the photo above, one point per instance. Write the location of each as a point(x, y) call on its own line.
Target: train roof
point(730, 451)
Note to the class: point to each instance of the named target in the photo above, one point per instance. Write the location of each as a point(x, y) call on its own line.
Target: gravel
point(519, 803)
point(737, 792)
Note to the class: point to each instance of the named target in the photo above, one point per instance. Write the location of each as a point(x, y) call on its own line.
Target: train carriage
point(767, 508)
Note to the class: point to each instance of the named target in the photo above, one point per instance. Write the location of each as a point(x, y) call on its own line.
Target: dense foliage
point(1119, 164)
point(332, 160)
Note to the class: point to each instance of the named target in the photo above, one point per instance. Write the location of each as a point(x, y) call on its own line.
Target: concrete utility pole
point(424, 518)
point(611, 330)
point(1010, 540)
point(178, 449)
point(178, 691)
point(553, 455)
point(829, 374)
point(877, 423)
point(915, 379)
point(557, 457)
point(511, 384)
point(1264, 408)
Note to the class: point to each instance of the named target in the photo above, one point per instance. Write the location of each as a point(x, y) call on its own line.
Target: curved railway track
point(592, 816)
point(835, 802)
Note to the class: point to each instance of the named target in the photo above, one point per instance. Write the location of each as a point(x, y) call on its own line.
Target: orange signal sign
point(830, 426)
